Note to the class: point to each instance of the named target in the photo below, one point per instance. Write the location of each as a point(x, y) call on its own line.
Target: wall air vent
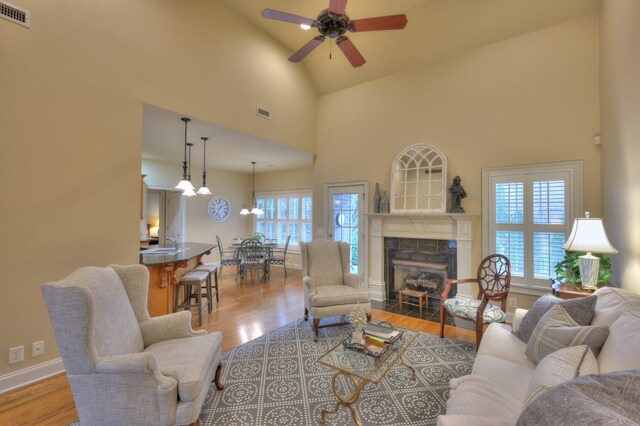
point(264, 113)
point(15, 14)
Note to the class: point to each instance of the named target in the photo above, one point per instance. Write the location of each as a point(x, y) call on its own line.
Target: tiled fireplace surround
point(450, 233)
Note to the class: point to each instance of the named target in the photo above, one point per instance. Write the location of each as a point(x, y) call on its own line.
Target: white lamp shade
point(153, 231)
point(244, 211)
point(189, 192)
point(588, 235)
point(257, 210)
point(184, 185)
point(204, 191)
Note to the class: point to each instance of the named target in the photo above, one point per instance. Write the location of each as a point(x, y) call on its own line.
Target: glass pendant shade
point(257, 210)
point(244, 210)
point(204, 191)
point(189, 192)
point(184, 185)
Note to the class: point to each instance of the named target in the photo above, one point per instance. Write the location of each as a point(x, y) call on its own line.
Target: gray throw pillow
point(557, 330)
point(611, 399)
point(581, 310)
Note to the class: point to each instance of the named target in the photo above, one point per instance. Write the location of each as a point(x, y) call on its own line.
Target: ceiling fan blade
point(306, 49)
point(350, 51)
point(287, 17)
point(337, 7)
point(392, 22)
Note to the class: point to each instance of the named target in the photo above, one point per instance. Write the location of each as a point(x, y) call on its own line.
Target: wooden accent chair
point(493, 279)
point(279, 256)
point(329, 288)
point(124, 367)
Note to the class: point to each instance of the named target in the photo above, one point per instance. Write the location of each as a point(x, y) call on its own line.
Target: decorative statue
point(457, 194)
point(358, 319)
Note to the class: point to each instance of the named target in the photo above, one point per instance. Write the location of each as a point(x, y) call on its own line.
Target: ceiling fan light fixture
point(305, 27)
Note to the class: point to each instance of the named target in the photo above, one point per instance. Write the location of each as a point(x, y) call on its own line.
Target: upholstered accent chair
point(493, 280)
point(124, 367)
point(329, 288)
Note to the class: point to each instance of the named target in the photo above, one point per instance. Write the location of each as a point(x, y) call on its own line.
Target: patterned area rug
point(276, 380)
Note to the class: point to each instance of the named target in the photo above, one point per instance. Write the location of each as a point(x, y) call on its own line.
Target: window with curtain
point(527, 215)
point(285, 213)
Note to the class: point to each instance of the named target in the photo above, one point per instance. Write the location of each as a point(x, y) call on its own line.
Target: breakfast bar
point(162, 263)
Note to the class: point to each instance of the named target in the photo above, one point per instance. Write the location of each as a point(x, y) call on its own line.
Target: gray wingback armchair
point(124, 367)
point(329, 288)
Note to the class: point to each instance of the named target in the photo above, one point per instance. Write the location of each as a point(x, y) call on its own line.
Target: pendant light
point(255, 210)
point(185, 183)
point(189, 192)
point(203, 189)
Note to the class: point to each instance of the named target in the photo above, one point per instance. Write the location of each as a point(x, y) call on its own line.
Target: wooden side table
point(406, 296)
point(569, 290)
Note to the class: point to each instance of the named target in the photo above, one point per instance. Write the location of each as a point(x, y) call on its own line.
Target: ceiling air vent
point(15, 14)
point(261, 112)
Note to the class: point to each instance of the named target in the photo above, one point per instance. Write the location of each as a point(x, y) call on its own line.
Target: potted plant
point(568, 270)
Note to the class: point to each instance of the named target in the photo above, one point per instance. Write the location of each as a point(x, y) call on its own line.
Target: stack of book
point(382, 333)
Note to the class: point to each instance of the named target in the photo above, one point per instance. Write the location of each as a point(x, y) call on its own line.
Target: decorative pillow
point(562, 365)
point(581, 310)
point(557, 330)
point(622, 348)
point(611, 399)
point(468, 308)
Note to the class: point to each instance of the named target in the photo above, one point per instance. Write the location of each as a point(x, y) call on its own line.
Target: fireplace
point(435, 233)
point(419, 264)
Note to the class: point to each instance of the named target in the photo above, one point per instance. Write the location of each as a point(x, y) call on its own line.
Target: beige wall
point(620, 116)
point(531, 99)
point(285, 180)
point(71, 128)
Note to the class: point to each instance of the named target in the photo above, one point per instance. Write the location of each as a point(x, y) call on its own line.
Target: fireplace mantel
point(437, 226)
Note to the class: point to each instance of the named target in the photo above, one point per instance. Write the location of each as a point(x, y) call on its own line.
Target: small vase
point(376, 200)
point(384, 203)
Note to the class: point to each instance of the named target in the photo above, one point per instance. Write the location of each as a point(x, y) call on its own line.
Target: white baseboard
point(29, 375)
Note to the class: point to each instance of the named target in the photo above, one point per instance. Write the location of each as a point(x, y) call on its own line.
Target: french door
point(345, 220)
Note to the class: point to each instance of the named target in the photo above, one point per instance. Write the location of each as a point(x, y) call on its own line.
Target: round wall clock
point(218, 208)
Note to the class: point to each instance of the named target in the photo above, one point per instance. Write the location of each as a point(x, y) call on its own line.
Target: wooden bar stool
point(408, 296)
point(192, 283)
point(212, 270)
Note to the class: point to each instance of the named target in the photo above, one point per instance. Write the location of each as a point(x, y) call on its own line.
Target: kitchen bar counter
point(162, 272)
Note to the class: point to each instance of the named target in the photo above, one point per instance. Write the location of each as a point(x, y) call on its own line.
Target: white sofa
point(495, 391)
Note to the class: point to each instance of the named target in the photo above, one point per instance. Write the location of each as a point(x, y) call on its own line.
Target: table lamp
point(588, 235)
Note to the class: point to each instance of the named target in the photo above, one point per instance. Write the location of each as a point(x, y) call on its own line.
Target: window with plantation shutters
point(285, 213)
point(527, 215)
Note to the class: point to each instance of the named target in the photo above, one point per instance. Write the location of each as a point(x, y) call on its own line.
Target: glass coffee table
point(361, 369)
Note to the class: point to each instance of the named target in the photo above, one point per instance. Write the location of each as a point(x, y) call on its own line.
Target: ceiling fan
point(334, 23)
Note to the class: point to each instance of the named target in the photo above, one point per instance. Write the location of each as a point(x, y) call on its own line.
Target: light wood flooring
point(246, 310)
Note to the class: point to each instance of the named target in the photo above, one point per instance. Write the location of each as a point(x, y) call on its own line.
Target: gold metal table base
point(354, 395)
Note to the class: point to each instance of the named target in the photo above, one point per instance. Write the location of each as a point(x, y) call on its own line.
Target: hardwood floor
point(246, 310)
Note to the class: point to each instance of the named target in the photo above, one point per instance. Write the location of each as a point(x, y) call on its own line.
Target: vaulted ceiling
point(437, 29)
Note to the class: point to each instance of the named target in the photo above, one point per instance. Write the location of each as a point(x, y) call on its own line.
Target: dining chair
point(227, 256)
point(253, 255)
point(279, 256)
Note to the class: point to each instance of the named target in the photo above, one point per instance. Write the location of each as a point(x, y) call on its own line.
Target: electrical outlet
point(16, 354)
point(37, 348)
point(513, 302)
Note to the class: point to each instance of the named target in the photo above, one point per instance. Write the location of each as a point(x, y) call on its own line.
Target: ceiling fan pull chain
point(330, 49)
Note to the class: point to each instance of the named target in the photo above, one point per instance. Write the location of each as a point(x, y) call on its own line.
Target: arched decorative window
point(418, 178)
